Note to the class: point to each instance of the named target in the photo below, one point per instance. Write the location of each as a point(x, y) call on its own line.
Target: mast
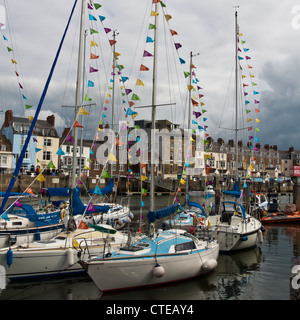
point(236, 97)
point(78, 89)
point(152, 185)
point(189, 127)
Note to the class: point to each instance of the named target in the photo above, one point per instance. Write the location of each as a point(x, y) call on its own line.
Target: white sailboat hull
point(56, 257)
point(243, 234)
point(121, 274)
point(28, 234)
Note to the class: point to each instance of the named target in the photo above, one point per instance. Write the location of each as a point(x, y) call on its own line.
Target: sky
point(271, 30)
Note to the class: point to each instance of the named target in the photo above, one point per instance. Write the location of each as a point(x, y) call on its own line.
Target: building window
point(121, 167)
point(26, 155)
point(96, 165)
point(47, 142)
point(46, 155)
point(3, 160)
point(68, 148)
point(23, 139)
point(3, 147)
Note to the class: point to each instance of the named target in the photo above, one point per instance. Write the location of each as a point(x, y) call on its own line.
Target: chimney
point(220, 141)
point(258, 145)
point(8, 118)
point(231, 143)
point(267, 146)
point(65, 132)
point(51, 120)
point(240, 143)
point(291, 149)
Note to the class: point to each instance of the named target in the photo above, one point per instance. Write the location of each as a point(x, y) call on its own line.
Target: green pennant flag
point(143, 191)
point(51, 165)
point(27, 106)
point(105, 174)
point(135, 97)
point(86, 98)
point(152, 26)
point(97, 6)
point(9, 49)
point(93, 31)
point(186, 74)
point(247, 111)
point(120, 67)
point(162, 4)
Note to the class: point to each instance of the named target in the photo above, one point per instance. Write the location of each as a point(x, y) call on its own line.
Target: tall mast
point(189, 126)
point(78, 90)
point(236, 97)
point(152, 185)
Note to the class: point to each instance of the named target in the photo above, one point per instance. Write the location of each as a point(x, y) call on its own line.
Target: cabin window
point(185, 246)
point(17, 223)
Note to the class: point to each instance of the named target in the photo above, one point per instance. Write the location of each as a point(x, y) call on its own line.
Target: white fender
point(70, 257)
point(158, 271)
point(209, 265)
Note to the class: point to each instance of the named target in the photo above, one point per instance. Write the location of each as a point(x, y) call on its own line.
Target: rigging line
point(19, 163)
point(15, 52)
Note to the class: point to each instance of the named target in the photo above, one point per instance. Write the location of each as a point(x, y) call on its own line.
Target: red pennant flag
point(195, 103)
point(112, 42)
point(93, 56)
point(144, 68)
point(82, 225)
point(77, 124)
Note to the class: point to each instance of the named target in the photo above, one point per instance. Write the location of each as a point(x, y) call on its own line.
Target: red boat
point(281, 217)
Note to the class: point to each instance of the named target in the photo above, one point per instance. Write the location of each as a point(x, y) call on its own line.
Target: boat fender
point(63, 212)
point(9, 257)
point(70, 257)
point(131, 216)
point(209, 265)
point(244, 238)
point(260, 237)
point(158, 271)
point(37, 235)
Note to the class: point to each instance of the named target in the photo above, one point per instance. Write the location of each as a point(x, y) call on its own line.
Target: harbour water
point(262, 273)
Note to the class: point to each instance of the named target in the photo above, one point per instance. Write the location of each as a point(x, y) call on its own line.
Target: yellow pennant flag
point(13, 61)
point(182, 181)
point(143, 178)
point(168, 17)
point(139, 82)
point(93, 44)
point(190, 87)
point(40, 178)
point(111, 157)
point(86, 168)
point(153, 13)
point(116, 54)
point(257, 120)
point(248, 119)
point(83, 111)
point(30, 118)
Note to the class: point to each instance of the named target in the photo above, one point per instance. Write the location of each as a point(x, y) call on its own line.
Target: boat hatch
point(131, 248)
point(185, 246)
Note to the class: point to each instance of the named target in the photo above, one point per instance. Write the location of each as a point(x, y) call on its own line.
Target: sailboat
point(227, 221)
point(160, 257)
point(234, 228)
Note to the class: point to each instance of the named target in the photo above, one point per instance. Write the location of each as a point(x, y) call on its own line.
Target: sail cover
point(162, 213)
point(235, 192)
